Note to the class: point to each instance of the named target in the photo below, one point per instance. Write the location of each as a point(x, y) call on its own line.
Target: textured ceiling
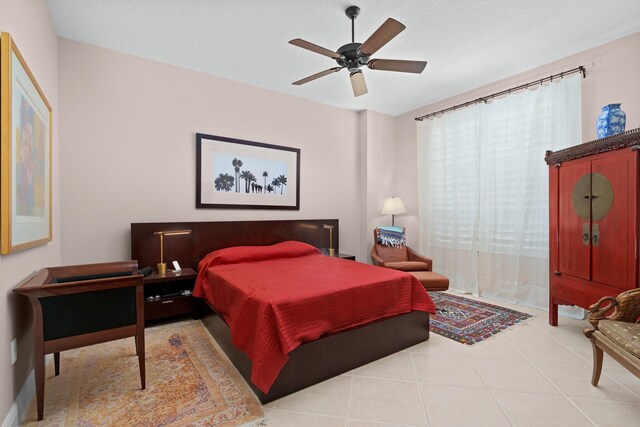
point(467, 43)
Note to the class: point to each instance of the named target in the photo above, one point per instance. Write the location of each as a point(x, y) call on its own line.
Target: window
point(483, 183)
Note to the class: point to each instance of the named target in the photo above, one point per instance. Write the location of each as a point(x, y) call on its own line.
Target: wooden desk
point(80, 305)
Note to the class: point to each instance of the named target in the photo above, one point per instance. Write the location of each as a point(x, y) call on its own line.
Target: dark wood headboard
point(205, 237)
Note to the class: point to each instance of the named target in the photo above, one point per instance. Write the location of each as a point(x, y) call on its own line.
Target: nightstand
point(347, 256)
point(169, 294)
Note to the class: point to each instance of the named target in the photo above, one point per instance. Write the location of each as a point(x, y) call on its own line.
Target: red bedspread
point(274, 304)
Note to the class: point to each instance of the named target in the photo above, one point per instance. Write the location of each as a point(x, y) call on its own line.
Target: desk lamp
point(332, 252)
point(162, 266)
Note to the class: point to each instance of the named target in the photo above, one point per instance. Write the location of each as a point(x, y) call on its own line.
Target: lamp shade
point(358, 84)
point(393, 206)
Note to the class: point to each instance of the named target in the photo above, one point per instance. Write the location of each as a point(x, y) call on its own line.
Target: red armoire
point(593, 221)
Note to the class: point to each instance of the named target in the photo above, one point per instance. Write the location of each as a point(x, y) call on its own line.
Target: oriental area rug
point(469, 321)
point(189, 383)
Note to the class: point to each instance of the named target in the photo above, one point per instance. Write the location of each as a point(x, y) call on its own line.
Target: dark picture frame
point(238, 174)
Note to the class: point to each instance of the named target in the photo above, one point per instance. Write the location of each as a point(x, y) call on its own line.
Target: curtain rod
point(561, 75)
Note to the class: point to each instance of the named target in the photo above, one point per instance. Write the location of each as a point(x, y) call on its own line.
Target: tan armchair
point(406, 259)
point(617, 334)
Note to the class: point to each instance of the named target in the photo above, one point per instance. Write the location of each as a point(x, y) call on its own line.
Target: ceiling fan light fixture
point(358, 84)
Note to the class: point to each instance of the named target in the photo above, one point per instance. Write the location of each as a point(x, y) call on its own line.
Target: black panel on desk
point(91, 277)
point(82, 313)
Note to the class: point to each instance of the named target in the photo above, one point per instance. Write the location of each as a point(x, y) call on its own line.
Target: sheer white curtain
point(483, 190)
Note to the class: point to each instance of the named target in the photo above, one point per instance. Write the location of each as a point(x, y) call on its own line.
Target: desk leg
point(38, 366)
point(38, 358)
point(141, 359)
point(140, 334)
point(56, 362)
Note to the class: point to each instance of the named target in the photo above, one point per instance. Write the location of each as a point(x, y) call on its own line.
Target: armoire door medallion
point(601, 196)
point(581, 197)
point(592, 197)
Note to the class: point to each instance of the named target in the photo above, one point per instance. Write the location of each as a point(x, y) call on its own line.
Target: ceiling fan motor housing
point(350, 57)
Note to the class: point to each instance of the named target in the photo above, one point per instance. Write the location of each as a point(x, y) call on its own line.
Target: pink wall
point(129, 148)
point(29, 24)
point(380, 168)
point(612, 77)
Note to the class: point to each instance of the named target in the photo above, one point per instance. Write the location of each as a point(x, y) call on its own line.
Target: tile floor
point(532, 374)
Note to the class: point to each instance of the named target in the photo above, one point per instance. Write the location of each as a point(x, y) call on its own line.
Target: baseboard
point(20, 407)
point(11, 420)
point(572, 311)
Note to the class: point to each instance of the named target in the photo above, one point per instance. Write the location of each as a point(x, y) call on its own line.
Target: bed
point(310, 356)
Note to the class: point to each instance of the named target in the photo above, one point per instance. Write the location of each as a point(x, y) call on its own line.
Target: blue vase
point(611, 121)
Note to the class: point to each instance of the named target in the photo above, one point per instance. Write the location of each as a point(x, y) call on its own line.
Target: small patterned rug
point(189, 382)
point(469, 321)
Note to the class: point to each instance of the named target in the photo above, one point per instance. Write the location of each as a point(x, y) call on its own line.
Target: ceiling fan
point(353, 56)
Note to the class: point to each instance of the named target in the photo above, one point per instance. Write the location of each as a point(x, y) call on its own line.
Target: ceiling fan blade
point(397, 65)
point(358, 84)
point(314, 48)
point(387, 31)
point(316, 76)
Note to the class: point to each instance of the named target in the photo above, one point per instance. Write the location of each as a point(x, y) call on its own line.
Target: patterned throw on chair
point(468, 321)
point(392, 236)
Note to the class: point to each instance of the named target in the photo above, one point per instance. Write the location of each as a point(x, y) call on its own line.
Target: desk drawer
point(168, 307)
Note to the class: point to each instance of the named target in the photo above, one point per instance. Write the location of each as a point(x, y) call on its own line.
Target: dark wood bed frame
point(312, 362)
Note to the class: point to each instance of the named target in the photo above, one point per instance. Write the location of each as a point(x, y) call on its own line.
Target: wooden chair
point(618, 333)
point(79, 305)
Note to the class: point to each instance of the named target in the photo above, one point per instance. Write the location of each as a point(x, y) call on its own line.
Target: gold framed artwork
point(25, 154)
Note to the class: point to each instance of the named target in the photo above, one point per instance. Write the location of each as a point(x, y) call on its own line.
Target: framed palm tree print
point(25, 154)
point(238, 174)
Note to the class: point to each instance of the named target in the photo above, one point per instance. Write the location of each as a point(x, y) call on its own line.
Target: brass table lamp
point(332, 252)
point(162, 266)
